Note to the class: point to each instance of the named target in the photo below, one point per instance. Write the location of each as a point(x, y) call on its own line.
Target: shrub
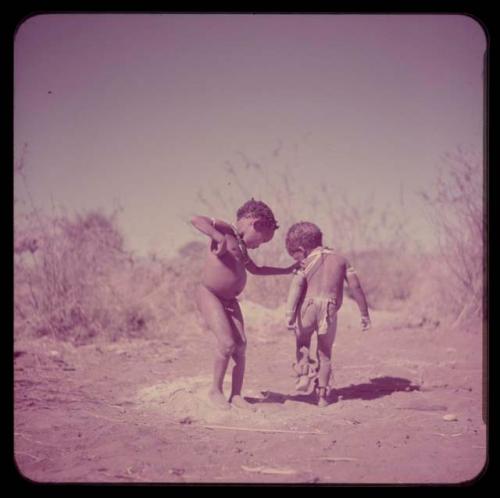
point(456, 208)
point(63, 280)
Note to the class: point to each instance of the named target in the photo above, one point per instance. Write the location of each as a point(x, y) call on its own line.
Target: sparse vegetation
point(456, 208)
point(75, 280)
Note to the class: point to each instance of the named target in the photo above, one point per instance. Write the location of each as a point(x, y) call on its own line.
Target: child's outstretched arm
point(359, 297)
point(208, 226)
point(269, 270)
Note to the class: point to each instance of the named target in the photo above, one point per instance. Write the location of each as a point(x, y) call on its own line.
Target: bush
point(63, 274)
point(456, 208)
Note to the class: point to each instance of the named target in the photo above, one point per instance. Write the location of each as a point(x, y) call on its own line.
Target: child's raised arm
point(358, 295)
point(208, 227)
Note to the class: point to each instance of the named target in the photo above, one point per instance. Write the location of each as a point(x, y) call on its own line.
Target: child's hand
point(298, 265)
point(290, 322)
point(220, 246)
point(365, 323)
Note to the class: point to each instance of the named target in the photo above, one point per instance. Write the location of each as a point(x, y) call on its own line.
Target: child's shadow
point(376, 388)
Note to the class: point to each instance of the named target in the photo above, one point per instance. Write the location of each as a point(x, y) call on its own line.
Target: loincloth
point(230, 305)
point(319, 313)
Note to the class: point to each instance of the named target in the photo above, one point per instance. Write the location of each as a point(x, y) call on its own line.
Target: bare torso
point(225, 275)
point(328, 279)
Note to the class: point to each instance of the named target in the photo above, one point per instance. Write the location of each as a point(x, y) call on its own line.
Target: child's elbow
point(195, 221)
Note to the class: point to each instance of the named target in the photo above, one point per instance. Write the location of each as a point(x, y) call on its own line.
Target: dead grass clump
point(387, 277)
point(63, 274)
point(456, 208)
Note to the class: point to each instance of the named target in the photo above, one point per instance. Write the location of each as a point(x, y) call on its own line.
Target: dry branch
point(254, 429)
point(269, 470)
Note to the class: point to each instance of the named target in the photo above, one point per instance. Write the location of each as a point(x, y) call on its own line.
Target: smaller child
point(315, 296)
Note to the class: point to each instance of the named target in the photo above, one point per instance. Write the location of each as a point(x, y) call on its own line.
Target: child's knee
point(240, 350)
point(226, 349)
point(303, 342)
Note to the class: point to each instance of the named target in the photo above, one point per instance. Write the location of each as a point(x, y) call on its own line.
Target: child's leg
point(239, 358)
point(221, 325)
point(325, 344)
point(302, 344)
point(324, 353)
point(302, 366)
point(306, 323)
point(239, 353)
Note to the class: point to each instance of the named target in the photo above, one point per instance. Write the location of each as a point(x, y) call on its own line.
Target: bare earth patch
point(406, 408)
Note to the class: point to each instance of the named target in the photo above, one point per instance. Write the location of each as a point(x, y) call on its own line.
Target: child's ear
point(258, 225)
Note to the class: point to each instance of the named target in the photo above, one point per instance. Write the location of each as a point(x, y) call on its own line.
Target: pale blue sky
point(145, 110)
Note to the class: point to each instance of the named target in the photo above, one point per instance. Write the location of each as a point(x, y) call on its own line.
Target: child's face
point(256, 234)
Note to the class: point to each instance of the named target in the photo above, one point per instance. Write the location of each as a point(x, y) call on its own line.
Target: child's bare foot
point(303, 383)
point(239, 402)
point(322, 402)
point(322, 394)
point(219, 400)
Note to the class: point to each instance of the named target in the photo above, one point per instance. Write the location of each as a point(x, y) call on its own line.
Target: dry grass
point(63, 274)
point(456, 208)
point(75, 281)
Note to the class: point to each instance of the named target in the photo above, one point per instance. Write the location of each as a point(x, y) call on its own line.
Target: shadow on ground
point(376, 388)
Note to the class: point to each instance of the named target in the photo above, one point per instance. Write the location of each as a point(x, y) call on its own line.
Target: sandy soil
point(137, 411)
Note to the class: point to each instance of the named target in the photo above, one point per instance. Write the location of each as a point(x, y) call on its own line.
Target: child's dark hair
point(303, 234)
point(260, 211)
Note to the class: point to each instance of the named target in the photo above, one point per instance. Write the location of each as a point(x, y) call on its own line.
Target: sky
point(147, 111)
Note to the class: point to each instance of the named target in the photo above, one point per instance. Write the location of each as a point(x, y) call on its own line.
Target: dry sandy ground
point(136, 412)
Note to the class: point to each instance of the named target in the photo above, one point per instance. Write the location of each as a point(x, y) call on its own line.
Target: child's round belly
point(224, 281)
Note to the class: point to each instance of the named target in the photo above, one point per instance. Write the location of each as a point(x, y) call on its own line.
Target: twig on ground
point(338, 459)
point(269, 470)
point(448, 435)
point(423, 408)
point(109, 419)
point(356, 367)
point(37, 459)
point(251, 429)
point(34, 440)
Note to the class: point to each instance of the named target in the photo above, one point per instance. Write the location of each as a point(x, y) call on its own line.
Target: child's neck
point(314, 251)
point(238, 231)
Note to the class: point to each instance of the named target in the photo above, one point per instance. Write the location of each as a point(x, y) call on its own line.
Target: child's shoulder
point(336, 256)
point(338, 261)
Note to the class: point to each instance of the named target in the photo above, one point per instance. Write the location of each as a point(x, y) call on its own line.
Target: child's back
point(328, 279)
